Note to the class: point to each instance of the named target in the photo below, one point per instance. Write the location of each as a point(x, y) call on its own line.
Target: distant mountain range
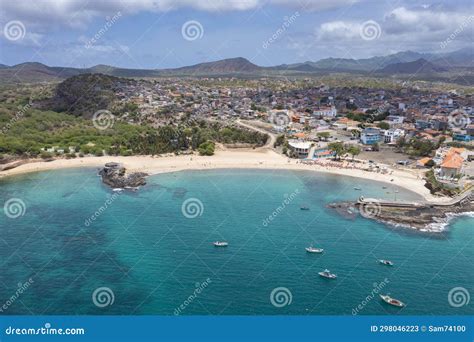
point(420, 66)
point(424, 65)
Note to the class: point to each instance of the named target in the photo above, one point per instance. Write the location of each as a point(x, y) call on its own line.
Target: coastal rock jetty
point(116, 176)
point(423, 216)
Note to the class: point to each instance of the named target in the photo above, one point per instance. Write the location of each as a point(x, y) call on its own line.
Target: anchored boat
point(392, 301)
point(327, 274)
point(314, 250)
point(221, 244)
point(386, 262)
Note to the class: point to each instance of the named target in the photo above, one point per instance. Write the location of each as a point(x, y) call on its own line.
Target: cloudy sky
point(173, 33)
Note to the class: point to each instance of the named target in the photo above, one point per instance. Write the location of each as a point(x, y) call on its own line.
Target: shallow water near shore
point(153, 248)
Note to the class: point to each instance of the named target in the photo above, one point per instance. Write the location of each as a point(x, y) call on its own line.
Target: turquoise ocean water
point(153, 259)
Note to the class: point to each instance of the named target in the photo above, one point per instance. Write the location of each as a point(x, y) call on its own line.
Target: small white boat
point(117, 190)
point(314, 250)
point(386, 262)
point(327, 274)
point(357, 188)
point(392, 301)
point(221, 244)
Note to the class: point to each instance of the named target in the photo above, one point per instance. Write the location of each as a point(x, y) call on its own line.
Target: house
point(391, 136)
point(421, 163)
point(345, 123)
point(439, 125)
point(470, 130)
point(422, 124)
point(395, 119)
point(370, 136)
point(452, 163)
point(300, 135)
point(326, 111)
point(300, 148)
point(462, 137)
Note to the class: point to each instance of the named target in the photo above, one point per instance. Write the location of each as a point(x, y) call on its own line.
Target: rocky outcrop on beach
point(116, 176)
point(431, 217)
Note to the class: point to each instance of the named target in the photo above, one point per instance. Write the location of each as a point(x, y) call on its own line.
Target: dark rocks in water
point(115, 176)
point(422, 216)
point(345, 209)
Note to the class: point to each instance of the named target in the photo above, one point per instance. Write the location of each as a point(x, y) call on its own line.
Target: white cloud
point(77, 13)
point(341, 30)
point(424, 19)
point(43, 16)
point(426, 23)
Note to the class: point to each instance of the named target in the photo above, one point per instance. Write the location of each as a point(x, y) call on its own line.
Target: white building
point(391, 136)
point(395, 119)
point(301, 148)
point(326, 111)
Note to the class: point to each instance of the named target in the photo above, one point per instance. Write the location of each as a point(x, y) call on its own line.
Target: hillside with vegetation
point(83, 95)
point(30, 131)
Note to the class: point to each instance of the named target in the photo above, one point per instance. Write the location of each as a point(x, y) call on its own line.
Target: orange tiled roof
point(423, 161)
point(452, 161)
point(457, 150)
point(343, 120)
point(300, 135)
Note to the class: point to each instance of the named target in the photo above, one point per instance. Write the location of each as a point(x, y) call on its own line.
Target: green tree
point(279, 140)
point(324, 135)
point(337, 148)
point(430, 163)
point(206, 148)
point(383, 125)
point(353, 151)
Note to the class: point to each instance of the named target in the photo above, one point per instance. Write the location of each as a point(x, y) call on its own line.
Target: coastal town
point(170, 168)
point(399, 127)
point(377, 129)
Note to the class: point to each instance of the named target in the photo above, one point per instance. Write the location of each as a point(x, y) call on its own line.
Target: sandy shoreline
point(256, 159)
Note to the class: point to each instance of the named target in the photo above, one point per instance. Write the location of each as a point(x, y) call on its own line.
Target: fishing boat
point(312, 249)
point(386, 262)
point(221, 244)
point(392, 301)
point(357, 188)
point(327, 274)
point(304, 208)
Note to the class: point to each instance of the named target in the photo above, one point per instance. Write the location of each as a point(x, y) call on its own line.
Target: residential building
point(300, 148)
point(391, 136)
point(326, 111)
point(452, 163)
point(370, 136)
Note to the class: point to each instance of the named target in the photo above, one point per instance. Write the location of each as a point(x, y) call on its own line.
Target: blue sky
point(149, 33)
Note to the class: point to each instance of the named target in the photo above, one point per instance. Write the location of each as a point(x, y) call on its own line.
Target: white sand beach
point(257, 159)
